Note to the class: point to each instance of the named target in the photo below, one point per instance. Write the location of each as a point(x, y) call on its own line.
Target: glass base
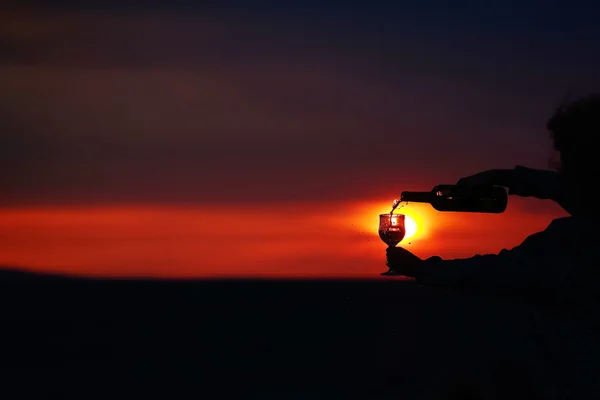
point(389, 272)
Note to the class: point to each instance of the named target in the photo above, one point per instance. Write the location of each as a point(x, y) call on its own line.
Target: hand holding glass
point(391, 231)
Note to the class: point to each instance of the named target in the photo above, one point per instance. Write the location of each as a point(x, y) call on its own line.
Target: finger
point(393, 254)
point(395, 250)
point(468, 181)
point(396, 259)
point(399, 269)
point(390, 273)
point(394, 267)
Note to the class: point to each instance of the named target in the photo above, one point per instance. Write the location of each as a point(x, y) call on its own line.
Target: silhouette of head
point(574, 128)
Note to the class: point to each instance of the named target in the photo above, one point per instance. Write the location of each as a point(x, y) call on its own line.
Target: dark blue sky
point(102, 103)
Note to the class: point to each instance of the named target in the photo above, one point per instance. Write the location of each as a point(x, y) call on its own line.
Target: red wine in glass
point(391, 228)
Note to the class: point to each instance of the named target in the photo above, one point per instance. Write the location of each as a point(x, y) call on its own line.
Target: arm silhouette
point(542, 262)
point(526, 182)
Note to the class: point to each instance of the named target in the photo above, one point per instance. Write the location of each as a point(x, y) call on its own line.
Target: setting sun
point(416, 222)
point(411, 227)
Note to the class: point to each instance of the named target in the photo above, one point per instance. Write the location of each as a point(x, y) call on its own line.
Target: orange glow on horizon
point(309, 240)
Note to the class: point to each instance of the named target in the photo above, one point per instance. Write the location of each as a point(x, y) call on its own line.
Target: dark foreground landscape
point(219, 339)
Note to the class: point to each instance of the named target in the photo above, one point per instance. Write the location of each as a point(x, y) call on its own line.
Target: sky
point(199, 141)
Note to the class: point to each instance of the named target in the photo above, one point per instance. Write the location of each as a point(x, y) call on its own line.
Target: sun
point(410, 226)
point(415, 219)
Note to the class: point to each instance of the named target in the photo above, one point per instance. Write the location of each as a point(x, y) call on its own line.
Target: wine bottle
point(462, 198)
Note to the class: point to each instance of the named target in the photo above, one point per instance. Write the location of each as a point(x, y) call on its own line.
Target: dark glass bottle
point(462, 198)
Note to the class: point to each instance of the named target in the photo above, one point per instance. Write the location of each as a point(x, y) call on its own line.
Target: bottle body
point(461, 198)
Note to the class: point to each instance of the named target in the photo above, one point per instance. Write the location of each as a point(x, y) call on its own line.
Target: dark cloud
point(135, 105)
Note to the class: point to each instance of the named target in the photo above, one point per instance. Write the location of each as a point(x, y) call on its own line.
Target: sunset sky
point(183, 141)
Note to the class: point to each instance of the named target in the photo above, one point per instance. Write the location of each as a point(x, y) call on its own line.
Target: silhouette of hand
point(492, 177)
point(403, 261)
point(482, 178)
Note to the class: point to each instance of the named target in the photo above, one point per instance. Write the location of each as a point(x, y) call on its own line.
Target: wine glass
point(391, 231)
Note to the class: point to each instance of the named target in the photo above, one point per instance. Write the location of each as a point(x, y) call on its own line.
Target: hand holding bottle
point(493, 177)
point(526, 182)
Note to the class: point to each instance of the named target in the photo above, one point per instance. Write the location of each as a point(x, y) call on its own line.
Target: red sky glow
point(210, 143)
point(315, 240)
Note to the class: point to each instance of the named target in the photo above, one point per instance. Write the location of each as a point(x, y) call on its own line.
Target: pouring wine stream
point(396, 203)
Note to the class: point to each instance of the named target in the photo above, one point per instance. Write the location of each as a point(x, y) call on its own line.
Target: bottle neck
point(416, 197)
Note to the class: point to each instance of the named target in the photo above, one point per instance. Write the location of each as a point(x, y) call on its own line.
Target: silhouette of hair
point(573, 126)
point(574, 129)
